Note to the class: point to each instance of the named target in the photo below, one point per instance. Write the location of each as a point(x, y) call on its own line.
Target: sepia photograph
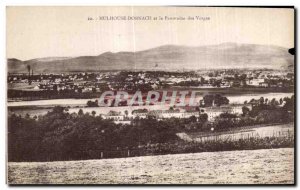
point(150, 95)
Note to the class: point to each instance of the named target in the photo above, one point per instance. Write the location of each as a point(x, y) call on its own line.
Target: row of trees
point(214, 99)
point(263, 112)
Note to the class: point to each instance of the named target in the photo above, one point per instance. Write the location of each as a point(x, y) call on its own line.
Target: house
point(154, 86)
point(235, 83)
point(113, 115)
point(37, 87)
point(141, 113)
point(264, 84)
point(213, 112)
point(165, 114)
point(255, 81)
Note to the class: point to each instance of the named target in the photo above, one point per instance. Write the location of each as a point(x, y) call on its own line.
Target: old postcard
point(150, 95)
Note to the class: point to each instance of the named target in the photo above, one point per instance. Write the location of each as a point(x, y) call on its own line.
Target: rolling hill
point(168, 57)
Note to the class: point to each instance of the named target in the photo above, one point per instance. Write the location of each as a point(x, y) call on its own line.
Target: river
point(233, 99)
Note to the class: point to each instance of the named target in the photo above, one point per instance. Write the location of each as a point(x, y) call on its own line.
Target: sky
point(36, 32)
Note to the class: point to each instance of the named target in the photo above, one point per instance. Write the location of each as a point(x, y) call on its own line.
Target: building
point(213, 112)
point(165, 114)
point(255, 82)
point(113, 115)
point(143, 114)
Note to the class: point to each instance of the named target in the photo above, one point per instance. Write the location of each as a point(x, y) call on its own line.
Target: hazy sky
point(35, 32)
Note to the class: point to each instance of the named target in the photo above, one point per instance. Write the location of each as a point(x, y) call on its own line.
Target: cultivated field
point(268, 166)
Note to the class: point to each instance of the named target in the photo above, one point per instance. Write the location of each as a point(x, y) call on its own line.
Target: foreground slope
point(268, 166)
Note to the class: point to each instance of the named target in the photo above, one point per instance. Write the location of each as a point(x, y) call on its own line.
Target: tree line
point(60, 135)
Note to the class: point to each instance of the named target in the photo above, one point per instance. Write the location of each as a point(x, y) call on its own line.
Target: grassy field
point(267, 166)
point(257, 131)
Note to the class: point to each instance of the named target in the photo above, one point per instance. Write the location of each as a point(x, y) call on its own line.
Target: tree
point(221, 100)
point(261, 100)
point(227, 115)
point(274, 102)
point(80, 112)
point(252, 100)
point(92, 104)
point(216, 83)
point(245, 110)
point(208, 100)
point(289, 104)
point(58, 110)
point(243, 77)
point(280, 101)
point(217, 99)
point(271, 116)
point(203, 117)
point(126, 113)
point(193, 119)
point(27, 116)
point(266, 101)
point(55, 87)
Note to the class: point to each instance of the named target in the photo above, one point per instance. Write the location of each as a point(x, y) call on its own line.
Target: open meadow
point(265, 166)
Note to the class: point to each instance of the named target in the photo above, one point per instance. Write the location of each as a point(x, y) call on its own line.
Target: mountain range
point(167, 57)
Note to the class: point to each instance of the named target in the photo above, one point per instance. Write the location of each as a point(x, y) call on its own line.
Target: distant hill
point(168, 57)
